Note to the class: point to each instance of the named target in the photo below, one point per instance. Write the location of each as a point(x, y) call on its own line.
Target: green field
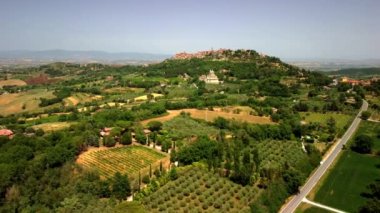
point(185, 127)
point(23, 101)
point(372, 129)
point(341, 119)
point(308, 208)
point(342, 186)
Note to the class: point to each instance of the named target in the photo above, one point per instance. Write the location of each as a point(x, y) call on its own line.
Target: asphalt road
point(314, 178)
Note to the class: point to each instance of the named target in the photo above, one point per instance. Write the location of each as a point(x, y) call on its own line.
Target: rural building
point(210, 78)
point(105, 131)
point(7, 133)
point(354, 82)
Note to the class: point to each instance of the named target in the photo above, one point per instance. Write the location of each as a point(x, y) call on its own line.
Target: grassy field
point(128, 160)
point(200, 190)
point(145, 97)
point(124, 90)
point(12, 82)
point(185, 127)
point(14, 103)
point(78, 98)
point(53, 126)
point(343, 184)
point(307, 208)
point(341, 119)
point(209, 115)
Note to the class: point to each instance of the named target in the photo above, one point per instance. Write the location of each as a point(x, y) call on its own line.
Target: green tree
point(293, 180)
point(126, 138)
point(120, 186)
point(363, 144)
point(154, 126)
point(173, 175)
point(331, 125)
point(140, 135)
point(365, 115)
point(109, 141)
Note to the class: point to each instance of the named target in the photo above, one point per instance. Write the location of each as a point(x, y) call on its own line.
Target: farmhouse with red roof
point(7, 133)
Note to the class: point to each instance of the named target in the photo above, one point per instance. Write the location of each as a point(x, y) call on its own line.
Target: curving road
point(314, 178)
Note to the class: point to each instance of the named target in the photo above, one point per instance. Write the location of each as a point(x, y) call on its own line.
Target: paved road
point(314, 178)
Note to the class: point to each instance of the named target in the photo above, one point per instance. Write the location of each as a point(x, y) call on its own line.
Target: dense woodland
point(38, 172)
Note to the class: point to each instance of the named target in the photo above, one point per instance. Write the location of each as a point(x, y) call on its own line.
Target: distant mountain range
point(333, 64)
point(37, 57)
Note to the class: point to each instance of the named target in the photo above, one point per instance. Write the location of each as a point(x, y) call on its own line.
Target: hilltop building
point(210, 78)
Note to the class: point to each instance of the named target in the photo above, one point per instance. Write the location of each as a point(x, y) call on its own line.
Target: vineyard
point(275, 153)
point(128, 160)
point(198, 190)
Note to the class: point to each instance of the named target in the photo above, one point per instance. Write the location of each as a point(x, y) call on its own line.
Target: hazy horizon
point(296, 29)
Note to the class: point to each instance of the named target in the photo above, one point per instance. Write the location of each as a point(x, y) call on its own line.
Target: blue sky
point(344, 29)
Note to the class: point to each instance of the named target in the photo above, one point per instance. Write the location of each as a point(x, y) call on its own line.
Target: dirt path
point(74, 101)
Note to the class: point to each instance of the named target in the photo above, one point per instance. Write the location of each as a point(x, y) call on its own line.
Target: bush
point(218, 204)
point(186, 192)
point(173, 175)
point(180, 197)
point(362, 144)
point(205, 206)
point(146, 179)
point(365, 115)
point(109, 141)
point(126, 138)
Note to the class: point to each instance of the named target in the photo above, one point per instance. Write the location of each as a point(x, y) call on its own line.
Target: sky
point(292, 29)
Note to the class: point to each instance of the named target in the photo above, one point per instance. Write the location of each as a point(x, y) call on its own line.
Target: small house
point(105, 131)
point(7, 133)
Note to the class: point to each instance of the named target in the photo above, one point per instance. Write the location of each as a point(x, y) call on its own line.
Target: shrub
point(109, 141)
point(160, 201)
point(362, 144)
point(198, 192)
point(180, 197)
point(173, 175)
point(193, 196)
point(146, 179)
point(365, 115)
point(217, 204)
point(205, 206)
point(162, 208)
point(126, 138)
point(186, 192)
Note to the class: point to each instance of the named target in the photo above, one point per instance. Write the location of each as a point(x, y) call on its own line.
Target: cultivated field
point(12, 82)
point(209, 115)
point(341, 119)
point(53, 126)
point(347, 180)
point(185, 127)
point(123, 90)
point(145, 97)
point(128, 160)
point(275, 154)
point(201, 191)
point(14, 103)
point(78, 98)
